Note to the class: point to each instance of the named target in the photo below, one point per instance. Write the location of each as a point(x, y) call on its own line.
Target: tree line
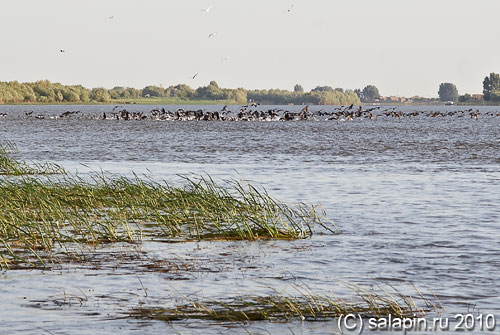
point(491, 90)
point(320, 95)
point(44, 91)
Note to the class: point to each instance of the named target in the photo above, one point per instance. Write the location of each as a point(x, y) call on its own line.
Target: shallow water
point(416, 201)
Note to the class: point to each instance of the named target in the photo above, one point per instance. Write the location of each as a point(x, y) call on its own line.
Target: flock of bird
point(342, 113)
point(253, 112)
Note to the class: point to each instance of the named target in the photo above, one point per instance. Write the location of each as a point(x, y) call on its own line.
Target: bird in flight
point(212, 35)
point(111, 17)
point(195, 75)
point(62, 50)
point(290, 9)
point(208, 9)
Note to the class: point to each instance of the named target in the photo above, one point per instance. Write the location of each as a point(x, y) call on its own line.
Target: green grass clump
point(284, 307)
point(13, 167)
point(39, 215)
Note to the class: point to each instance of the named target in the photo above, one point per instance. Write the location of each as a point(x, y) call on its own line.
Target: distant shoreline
point(44, 92)
point(167, 101)
point(145, 101)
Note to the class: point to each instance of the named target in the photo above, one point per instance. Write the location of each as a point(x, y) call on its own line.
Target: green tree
point(298, 88)
point(133, 92)
point(448, 92)
point(212, 91)
point(44, 91)
point(240, 96)
point(495, 95)
point(464, 98)
point(84, 95)
point(59, 96)
point(486, 89)
point(370, 93)
point(118, 92)
point(323, 89)
point(352, 97)
point(154, 91)
point(358, 92)
point(181, 91)
point(100, 95)
point(71, 96)
point(490, 84)
point(29, 96)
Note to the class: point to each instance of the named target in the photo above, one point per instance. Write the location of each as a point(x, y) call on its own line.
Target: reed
point(284, 307)
point(13, 167)
point(40, 215)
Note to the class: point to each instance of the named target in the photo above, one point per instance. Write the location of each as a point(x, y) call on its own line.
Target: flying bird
point(111, 17)
point(195, 75)
point(212, 35)
point(208, 9)
point(290, 9)
point(62, 50)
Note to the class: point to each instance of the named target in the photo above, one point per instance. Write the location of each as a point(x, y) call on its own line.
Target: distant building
point(396, 99)
point(477, 97)
point(404, 100)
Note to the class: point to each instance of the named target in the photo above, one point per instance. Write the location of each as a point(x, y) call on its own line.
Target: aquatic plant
point(283, 307)
point(13, 167)
point(40, 215)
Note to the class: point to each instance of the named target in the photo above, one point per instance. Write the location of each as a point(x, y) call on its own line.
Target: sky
point(404, 47)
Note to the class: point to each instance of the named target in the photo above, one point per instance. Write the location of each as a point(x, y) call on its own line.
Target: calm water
point(417, 201)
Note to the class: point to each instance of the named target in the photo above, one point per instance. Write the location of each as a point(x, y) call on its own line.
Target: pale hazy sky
point(404, 47)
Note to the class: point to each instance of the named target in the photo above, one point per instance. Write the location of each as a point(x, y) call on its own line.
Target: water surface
point(416, 201)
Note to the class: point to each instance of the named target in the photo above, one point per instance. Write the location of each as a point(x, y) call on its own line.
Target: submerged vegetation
point(38, 215)
point(305, 306)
